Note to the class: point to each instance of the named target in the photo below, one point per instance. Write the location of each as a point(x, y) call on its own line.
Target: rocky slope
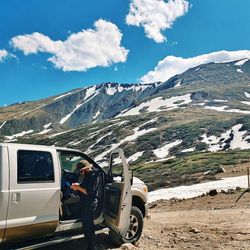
point(74, 108)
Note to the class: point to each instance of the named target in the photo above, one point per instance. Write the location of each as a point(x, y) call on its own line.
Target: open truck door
point(118, 196)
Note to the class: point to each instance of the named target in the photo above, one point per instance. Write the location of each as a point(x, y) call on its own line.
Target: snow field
point(186, 192)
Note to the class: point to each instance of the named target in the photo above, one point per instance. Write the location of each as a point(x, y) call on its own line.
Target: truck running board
point(57, 240)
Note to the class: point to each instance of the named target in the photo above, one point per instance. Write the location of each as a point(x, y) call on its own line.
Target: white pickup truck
point(33, 204)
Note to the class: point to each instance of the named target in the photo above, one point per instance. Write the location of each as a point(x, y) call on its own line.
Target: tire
point(135, 229)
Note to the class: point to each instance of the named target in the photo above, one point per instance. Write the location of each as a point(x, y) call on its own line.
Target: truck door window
point(70, 160)
point(117, 167)
point(34, 166)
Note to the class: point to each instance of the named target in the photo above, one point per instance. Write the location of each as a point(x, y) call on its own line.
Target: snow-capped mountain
point(72, 109)
point(101, 102)
point(204, 110)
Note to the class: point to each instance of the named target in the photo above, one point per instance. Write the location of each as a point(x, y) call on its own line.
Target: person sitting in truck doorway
point(87, 190)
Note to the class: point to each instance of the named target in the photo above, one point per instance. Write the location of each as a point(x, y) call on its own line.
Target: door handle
point(15, 198)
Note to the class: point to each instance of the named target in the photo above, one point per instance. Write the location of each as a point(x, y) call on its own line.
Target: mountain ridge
point(162, 127)
point(72, 109)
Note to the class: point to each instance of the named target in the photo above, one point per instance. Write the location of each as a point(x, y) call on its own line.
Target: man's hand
point(75, 186)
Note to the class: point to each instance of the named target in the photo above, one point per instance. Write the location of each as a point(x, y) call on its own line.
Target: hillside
point(171, 132)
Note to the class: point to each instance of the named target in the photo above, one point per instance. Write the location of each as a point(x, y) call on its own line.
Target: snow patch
point(247, 94)
point(47, 125)
point(223, 109)
point(238, 141)
point(64, 119)
point(241, 62)
point(111, 90)
point(99, 139)
point(158, 104)
point(96, 114)
point(61, 133)
point(164, 151)
point(186, 192)
point(46, 129)
point(199, 104)
point(137, 133)
point(135, 156)
point(120, 88)
point(61, 96)
point(11, 137)
point(89, 92)
point(240, 70)
point(218, 143)
point(178, 84)
point(218, 100)
point(2, 124)
point(188, 150)
point(247, 103)
point(138, 88)
point(148, 122)
point(27, 112)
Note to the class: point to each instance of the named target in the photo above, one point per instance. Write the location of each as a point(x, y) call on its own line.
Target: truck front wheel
point(134, 231)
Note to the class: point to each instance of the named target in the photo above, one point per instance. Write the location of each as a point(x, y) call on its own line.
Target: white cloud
point(155, 16)
point(86, 49)
point(3, 54)
point(172, 65)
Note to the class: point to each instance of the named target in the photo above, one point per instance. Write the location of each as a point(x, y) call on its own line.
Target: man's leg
point(88, 224)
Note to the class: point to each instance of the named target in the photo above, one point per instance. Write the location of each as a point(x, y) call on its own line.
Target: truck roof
point(35, 146)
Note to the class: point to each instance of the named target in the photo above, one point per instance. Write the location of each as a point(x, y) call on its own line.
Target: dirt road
point(201, 223)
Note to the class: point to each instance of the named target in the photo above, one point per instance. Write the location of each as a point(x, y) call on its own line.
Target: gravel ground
point(207, 222)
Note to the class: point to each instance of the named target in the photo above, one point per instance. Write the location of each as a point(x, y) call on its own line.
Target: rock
point(153, 205)
point(239, 189)
point(136, 244)
point(219, 170)
point(127, 246)
point(174, 200)
point(195, 230)
point(149, 237)
point(230, 191)
point(159, 244)
point(165, 174)
point(212, 192)
point(207, 172)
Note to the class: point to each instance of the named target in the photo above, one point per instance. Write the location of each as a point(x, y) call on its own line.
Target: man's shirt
point(90, 183)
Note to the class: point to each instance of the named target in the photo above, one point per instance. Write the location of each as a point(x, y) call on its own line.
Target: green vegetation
point(184, 170)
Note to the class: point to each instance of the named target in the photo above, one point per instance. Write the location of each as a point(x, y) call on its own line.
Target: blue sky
point(125, 49)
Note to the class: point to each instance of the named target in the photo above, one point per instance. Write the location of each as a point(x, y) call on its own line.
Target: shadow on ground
point(103, 242)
